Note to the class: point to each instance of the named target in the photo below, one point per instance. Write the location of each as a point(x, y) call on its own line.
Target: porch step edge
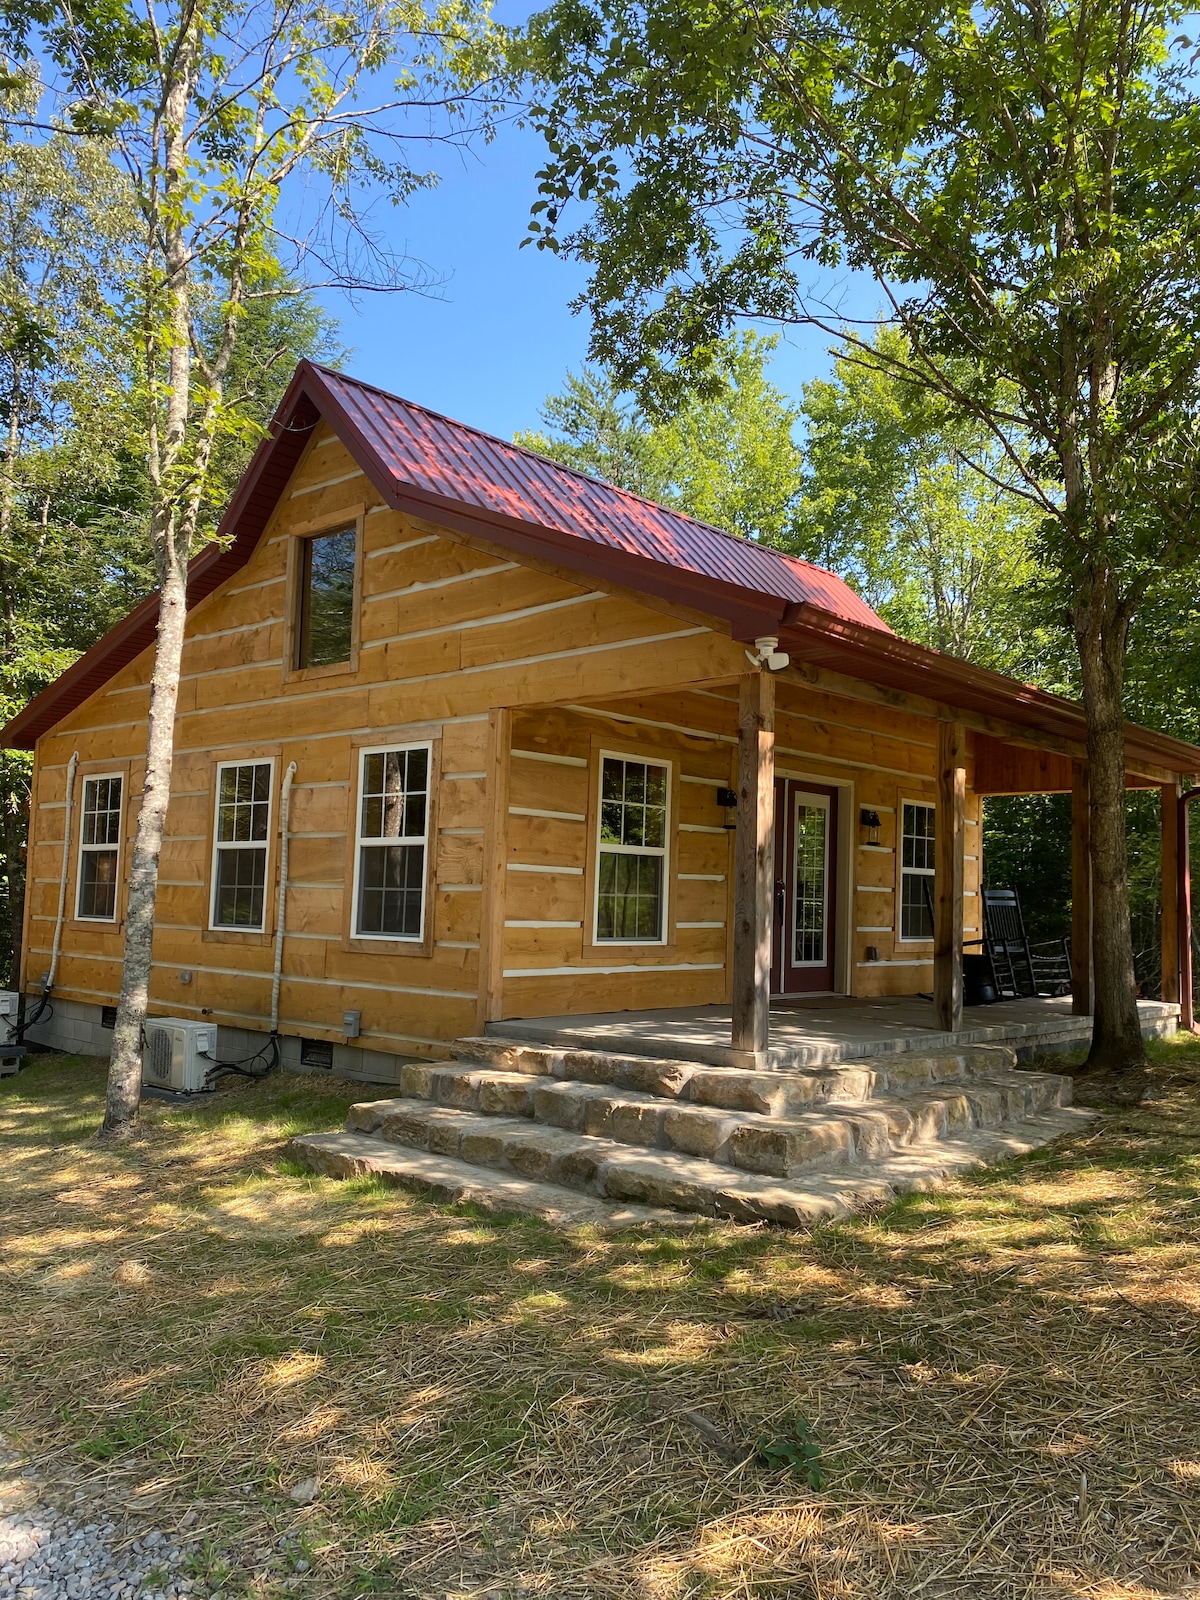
point(645, 1187)
point(690, 1180)
point(702, 1082)
point(1053, 1032)
point(741, 1135)
point(453, 1182)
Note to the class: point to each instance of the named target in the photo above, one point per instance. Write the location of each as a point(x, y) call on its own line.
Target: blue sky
point(498, 336)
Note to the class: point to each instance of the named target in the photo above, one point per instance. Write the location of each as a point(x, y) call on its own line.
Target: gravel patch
point(50, 1555)
point(91, 1554)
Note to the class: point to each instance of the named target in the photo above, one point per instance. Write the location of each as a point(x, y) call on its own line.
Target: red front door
point(802, 949)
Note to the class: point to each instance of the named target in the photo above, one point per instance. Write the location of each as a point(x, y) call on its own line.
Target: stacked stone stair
point(590, 1136)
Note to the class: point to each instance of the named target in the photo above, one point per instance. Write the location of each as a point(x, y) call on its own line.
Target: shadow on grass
point(485, 1398)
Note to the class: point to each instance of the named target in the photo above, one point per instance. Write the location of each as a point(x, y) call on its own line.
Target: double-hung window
point(99, 849)
point(393, 842)
point(242, 834)
point(631, 865)
point(918, 834)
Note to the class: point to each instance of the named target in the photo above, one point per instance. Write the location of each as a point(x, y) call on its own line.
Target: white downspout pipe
point(285, 801)
point(72, 764)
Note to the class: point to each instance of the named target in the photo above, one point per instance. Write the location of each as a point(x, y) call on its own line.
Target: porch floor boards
point(824, 1030)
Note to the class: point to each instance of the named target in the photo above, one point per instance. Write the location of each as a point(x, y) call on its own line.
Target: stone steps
point(628, 1186)
point(786, 1147)
point(354, 1155)
point(833, 1135)
point(772, 1092)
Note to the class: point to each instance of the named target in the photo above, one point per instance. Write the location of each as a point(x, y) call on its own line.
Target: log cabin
point(531, 747)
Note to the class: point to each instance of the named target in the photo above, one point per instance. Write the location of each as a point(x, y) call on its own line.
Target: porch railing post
point(1169, 919)
point(1081, 891)
point(949, 876)
point(754, 862)
point(1183, 906)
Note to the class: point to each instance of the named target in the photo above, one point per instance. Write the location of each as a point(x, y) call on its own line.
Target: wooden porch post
point(1183, 906)
point(1081, 891)
point(948, 879)
point(754, 862)
point(1169, 920)
point(490, 1007)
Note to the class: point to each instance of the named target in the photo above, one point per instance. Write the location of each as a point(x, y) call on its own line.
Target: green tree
point(727, 457)
point(1020, 180)
point(595, 428)
point(250, 138)
point(74, 501)
point(910, 500)
point(64, 224)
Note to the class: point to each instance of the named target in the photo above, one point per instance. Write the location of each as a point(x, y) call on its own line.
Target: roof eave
point(825, 640)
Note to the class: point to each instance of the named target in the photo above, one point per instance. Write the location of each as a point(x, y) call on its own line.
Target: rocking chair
point(1018, 969)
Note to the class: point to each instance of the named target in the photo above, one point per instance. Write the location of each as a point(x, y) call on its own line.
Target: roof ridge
point(577, 472)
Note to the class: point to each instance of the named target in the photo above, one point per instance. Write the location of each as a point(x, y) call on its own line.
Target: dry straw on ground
point(1002, 1378)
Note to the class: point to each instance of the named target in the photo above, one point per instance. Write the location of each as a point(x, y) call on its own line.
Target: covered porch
point(827, 1030)
point(736, 748)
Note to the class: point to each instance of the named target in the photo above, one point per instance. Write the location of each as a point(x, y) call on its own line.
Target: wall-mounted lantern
point(870, 825)
point(727, 800)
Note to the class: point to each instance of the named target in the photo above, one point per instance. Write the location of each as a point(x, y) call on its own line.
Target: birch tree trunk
point(171, 537)
point(125, 1071)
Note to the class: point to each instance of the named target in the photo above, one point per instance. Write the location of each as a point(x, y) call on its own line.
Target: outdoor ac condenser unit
point(9, 1001)
point(178, 1053)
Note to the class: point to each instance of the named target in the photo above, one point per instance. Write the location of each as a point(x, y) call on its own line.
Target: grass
point(997, 1383)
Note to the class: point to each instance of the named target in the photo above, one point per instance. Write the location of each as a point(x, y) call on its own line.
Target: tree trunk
point(167, 313)
point(1101, 629)
point(125, 1070)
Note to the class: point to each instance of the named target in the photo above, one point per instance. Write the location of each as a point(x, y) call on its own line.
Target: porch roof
point(429, 466)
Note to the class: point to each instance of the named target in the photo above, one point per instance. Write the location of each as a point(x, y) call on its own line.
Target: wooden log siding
point(449, 633)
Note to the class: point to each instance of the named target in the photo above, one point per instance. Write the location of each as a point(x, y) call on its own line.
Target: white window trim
point(372, 842)
point(921, 872)
point(95, 849)
point(241, 844)
point(632, 850)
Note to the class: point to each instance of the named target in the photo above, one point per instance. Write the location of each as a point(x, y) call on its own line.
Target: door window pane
point(811, 868)
point(326, 622)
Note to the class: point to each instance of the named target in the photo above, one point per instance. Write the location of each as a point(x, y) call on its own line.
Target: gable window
point(631, 867)
point(325, 623)
point(918, 838)
point(99, 849)
point(392, 842)
point(240, 850)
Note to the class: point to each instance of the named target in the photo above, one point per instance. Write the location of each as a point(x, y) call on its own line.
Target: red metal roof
point(460, 478)
point(445, 462)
